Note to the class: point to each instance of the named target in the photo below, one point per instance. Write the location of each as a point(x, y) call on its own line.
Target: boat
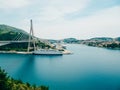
point(47, 52)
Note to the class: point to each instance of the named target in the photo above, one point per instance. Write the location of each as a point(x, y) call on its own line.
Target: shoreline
point(15, 52)
point(66, 52)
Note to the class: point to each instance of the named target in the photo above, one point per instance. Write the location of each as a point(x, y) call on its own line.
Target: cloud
point(101, 23)
point(11, 4)
point(69, 6)
point(49, 17)
point(55, 9)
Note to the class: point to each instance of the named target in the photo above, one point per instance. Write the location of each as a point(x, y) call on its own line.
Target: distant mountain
point(103, 42)
point(117, 39)
point(72, 40)
point(102, 39)
point(106, 42)
point(96, 39)
point(11, 33)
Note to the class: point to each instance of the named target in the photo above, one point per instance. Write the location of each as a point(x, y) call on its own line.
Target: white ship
point(47, 52)
point(41, 51)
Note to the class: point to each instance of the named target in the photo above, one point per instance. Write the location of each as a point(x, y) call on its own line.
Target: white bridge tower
point(31, 38)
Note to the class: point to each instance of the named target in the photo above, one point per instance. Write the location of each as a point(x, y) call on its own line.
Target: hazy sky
point(57, 19)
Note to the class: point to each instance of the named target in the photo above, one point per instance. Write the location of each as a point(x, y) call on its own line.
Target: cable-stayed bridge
point(24, 37)
point(19, 38)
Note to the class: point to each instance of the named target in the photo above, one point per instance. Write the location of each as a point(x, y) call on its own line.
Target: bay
point(88, 68)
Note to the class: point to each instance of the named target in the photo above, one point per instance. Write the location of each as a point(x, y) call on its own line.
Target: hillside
point(101, 39)
point(105, 42)
point(8, 33)
point(117, 39)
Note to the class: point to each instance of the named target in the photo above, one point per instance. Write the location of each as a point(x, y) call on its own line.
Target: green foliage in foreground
point(7, 83)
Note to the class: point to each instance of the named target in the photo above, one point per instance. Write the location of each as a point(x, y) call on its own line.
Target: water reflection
point(33, 67)
point(48, 56)
point(26, 68)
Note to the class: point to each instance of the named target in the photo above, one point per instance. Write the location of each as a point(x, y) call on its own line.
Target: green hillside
point(8, 33)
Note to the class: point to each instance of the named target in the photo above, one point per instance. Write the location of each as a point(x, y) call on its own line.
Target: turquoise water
point(89, 68)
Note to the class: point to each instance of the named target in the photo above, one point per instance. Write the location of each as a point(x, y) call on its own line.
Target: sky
point(58, 19)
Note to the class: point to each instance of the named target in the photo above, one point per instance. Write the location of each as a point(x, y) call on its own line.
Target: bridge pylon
point(31, 38)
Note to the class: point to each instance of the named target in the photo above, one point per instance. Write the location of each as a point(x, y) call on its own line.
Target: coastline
point(66, 52)
point(14, 52)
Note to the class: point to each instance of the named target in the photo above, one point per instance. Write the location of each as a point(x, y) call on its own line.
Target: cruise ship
point(47, 52)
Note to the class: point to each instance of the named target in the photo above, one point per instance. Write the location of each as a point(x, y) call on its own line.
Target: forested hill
point(10, 33)
point(106, 42)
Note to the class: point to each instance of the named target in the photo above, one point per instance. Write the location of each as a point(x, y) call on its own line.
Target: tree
point(4, 85)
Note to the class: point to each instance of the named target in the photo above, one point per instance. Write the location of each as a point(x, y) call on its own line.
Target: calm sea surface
point(89, 68)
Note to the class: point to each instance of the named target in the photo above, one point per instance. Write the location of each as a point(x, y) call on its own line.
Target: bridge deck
point(13, 41)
